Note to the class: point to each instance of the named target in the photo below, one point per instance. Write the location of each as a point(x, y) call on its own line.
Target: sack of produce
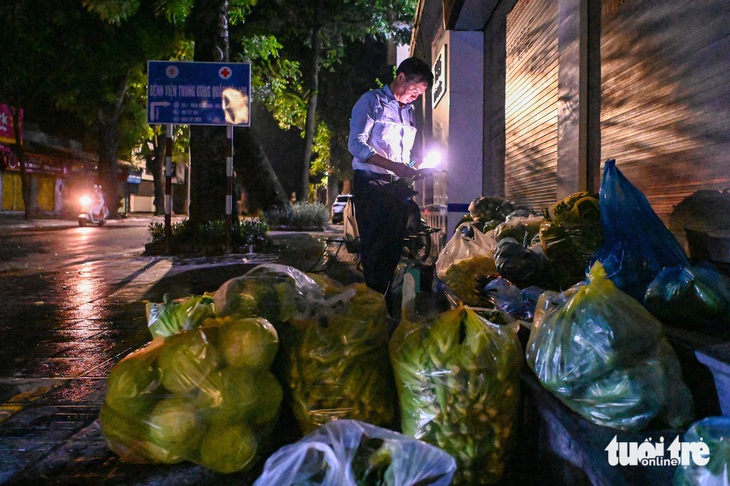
point(270, 290)
point(508, 298)
point(464, 262)
point(175, 315)
point(458, 383)
point(204, 395)
point(692, 295)
point(524, 229)
point(636, 244)
point(336, 361)
point(354, 453)
point(570, 234)
point(605, 356)
point(712, 435)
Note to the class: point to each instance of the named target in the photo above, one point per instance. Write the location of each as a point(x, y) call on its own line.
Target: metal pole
point(229, 193)
point(168, 188)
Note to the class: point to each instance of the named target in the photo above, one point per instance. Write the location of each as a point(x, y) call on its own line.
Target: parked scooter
point(93, 208)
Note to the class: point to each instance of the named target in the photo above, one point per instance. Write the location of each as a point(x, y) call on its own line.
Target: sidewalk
point(15, 220)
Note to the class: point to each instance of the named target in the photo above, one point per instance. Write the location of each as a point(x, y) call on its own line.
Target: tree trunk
point(254, 171)
point(208, 184)
point(155, 162)
point(311, 123)
point(20, 155)
point(108, 119)
point(109, 164)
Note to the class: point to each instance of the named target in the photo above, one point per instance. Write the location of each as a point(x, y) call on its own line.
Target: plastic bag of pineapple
point(464, 262)
point(336, 361)
point(204, 395)
point(458, 382)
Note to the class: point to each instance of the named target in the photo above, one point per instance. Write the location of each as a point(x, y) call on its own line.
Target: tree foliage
point(315, 34)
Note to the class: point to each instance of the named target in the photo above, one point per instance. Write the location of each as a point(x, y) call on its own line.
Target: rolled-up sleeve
point(361, 124)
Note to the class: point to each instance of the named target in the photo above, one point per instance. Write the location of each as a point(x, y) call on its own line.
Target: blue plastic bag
point(636, 244)
point(350, 452)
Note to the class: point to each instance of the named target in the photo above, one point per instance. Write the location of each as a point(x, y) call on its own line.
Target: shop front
point(47, 179)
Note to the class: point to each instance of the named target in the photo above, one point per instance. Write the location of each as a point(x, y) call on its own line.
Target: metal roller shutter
point(531, 106)
point(666, 96)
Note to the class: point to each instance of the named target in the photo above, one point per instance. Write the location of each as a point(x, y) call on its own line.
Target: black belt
point(376, 176)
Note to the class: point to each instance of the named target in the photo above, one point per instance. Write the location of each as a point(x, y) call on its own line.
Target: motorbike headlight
point(85, 200)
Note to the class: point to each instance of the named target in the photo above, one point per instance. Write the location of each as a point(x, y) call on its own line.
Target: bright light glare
point(431, 160)
point(85, 200)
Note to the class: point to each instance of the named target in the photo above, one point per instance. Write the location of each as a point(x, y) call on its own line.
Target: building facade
point(533, 96)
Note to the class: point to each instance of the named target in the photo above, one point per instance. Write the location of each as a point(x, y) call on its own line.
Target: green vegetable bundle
point(336, 361)
point(204, 395)
point(172, 316)
point(486, 208)
point(570, 235)
point(457, 377)
point(605, 356)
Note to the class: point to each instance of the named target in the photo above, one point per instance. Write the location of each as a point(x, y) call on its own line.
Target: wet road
point(72, 304)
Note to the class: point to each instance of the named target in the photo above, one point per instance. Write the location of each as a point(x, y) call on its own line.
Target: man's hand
point(402, 170)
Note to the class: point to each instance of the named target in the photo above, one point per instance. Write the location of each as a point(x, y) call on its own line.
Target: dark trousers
point(380, 210)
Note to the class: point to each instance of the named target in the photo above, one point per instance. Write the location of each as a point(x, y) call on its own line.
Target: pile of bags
point(597, 276)
point(434, 401)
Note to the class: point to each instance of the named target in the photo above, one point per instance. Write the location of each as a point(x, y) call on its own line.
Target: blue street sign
point(198, 93)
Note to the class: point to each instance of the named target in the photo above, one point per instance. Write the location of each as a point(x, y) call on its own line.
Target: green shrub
point(298, 217)
point(208, 238)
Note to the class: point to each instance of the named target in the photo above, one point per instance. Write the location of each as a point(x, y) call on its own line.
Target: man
point(382, 133)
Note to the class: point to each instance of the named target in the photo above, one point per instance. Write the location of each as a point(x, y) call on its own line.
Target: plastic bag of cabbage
point(354, 453)
point(204, 395)
point(336, 361)
point(271, 290)
point(606, 357)
point(457, 377)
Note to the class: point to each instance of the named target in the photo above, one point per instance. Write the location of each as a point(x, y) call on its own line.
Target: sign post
point(198, 93)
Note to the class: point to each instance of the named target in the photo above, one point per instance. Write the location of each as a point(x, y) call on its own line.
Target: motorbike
point(93, 209)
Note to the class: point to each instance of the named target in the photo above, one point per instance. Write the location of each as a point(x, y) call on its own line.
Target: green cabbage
point(130, 439)
point(175, 424)
point(173, 316)
point(228, 448)
point(250, 342)
point(186, 360)
point(131, 384)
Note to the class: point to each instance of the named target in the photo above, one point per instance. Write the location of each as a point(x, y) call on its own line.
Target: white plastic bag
point(464, 261)
point(343, 452)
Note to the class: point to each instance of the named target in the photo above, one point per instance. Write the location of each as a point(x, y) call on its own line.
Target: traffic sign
point(198, 93)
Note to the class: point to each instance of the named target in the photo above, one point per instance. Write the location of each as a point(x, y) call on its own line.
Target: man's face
point(407, 91)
